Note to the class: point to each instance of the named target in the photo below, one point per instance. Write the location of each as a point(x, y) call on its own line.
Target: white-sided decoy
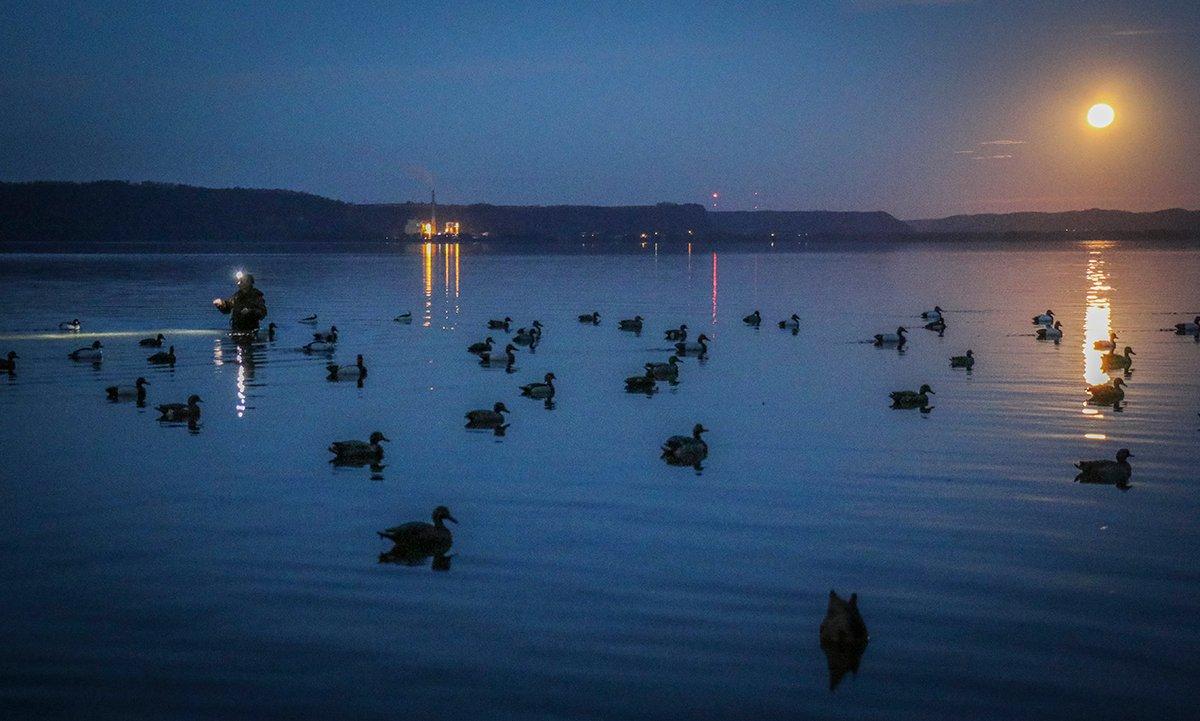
point(155, 342)
point(541, 390)
point(633, 324)
point(1054, 332)
point(1046, 318)
point(496, 358)
point(359, 451)
point(1113, 361)
point(1110, 344)
point(677, 334)
point(1188, 328)
point(8, 364)
point(963, 361)
point(71, 325)
point(911, 399)
point(931, 315)
point(356, 372)
point(319, 346)
point(1107, 394)
point(1111, 473)
point(129, 393)
point(754, 319)
point(593, 318)
point(94, 352)
point(485, 418)
point(897, 338)
point(665, 371)
point(484, 346)
point(329, 336)
point(499, 324)
point(792, 323)
point(686, 450)
point(163, 358)
point(699, 347)
point(189, 411)
point(420, 534)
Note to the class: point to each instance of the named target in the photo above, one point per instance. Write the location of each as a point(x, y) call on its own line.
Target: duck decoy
point(1111, 473)
point(938, 325)
point(358, 452)
point(665, 371)
point(484, 418)
point(932, 315)
point(524, 336)
point(843, 637)
point(540, 390)
point(1107, 394)
point(319, 346)
point(481, 347)
point(634, 324)
point(163, 358)
point(677, 334)
point(754, 319)
point(1046, 318)
point(1113, 361)
point(911, 399)
point(403, 318)
point(898, 338)
point(309, 320)
point(125, 393)
point(189, 411)
point(268, 332)
point(536, 328)
point(155, 342)
point(329, 336)
point(644, 383)
point(1110, 344)
point(356, 372)
point(499, 324)
point(94, 352)
point(699, 347)
point(1054, 332)
point(1188, 328)
point(8, 364)
point(686, 450)
point(421, 534)
point(792, 323)
point(71, 325)
point(963, 361)
point(593, 318)
point(495, 358)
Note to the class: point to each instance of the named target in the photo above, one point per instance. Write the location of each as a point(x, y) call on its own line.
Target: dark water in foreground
point(151, 572)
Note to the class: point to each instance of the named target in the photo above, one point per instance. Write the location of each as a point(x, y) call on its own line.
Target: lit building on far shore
point(428, 229)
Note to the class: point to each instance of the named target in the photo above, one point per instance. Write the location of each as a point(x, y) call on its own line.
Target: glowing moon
point(1101, 115)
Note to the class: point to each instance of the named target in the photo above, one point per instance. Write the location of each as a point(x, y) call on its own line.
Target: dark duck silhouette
point(754, 319)
point(644, 383)
point(1110, 473)
point(8, 364)
point(162, 358)
point(634, 324)
point(686, 450)
point(541, 390)
point(189, 411)
point(358, 452)
point(356, 372)
point(155, 342)
point(416, 541)
point(499, 324)
point(593, 318)
point(484, 418)
point(1107, 394)
point(897, 339)
point(697, 348)
point(843, 637)
point(128, 393)
point(677, 334)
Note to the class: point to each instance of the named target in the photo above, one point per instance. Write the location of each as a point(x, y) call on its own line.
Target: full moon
point(1101, 115)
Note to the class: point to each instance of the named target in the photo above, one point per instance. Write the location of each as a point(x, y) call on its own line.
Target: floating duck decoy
point(540, 390)
point(1188, 328)
point(1107, 394)
point(268, 332)
point(309, 320)
point(356, 372)
point(524, 336)
point(911, 399)
point(484, 418)
point(897, 338)
point(931, 315)
point(155, 342)
point(403, 318)
point(938, 325)
point(1054, 332)
point(1110, 344)
point(699, 347)
point(94, 352)
point(641, 384)
point(358, 452)
point(593, 318)
point(484, 346)
point(634, 324)
point(8, 364)
point(320, 346)
point(1046, 318)
point(843, 637)
point(495, 358)
point(686, 450)
point(189, 411)
point(1111, 473)
point(1113, 361)
point(329, 336)
point(665, 371)
point(677, 334)
point(536, 328)
point(163, 358)
point(792, 323)
point(963, 361)
point(421, 534)
point(126, 393)
point(71, 325)
point(499, 324)
point(754, 319)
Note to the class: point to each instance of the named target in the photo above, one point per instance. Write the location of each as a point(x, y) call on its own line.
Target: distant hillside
point(1077, 221)
point(809, 222)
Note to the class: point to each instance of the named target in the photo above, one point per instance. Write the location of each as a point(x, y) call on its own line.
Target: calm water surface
point(152, 572)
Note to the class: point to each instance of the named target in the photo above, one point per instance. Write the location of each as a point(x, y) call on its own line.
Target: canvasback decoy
point(792, 323)
point(699, 347)
point(126, 393)
point(94, 352)
point(363, 452)
point(1046, 318)
point(329, 336)
point(495, 358)
point(1188, 328)
point(540, 390)
point(1054, 332)
point(897, 338)
point(71, 325)
point(524, 336)
point(356, 372)
point(1111, 473)
point(189, 411)
point(931, 315)
point(155, 342)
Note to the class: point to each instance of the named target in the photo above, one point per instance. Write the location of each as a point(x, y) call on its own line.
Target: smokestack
point(433, 210)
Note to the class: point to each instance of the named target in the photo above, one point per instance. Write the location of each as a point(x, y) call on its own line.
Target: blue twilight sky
point(843, 104)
